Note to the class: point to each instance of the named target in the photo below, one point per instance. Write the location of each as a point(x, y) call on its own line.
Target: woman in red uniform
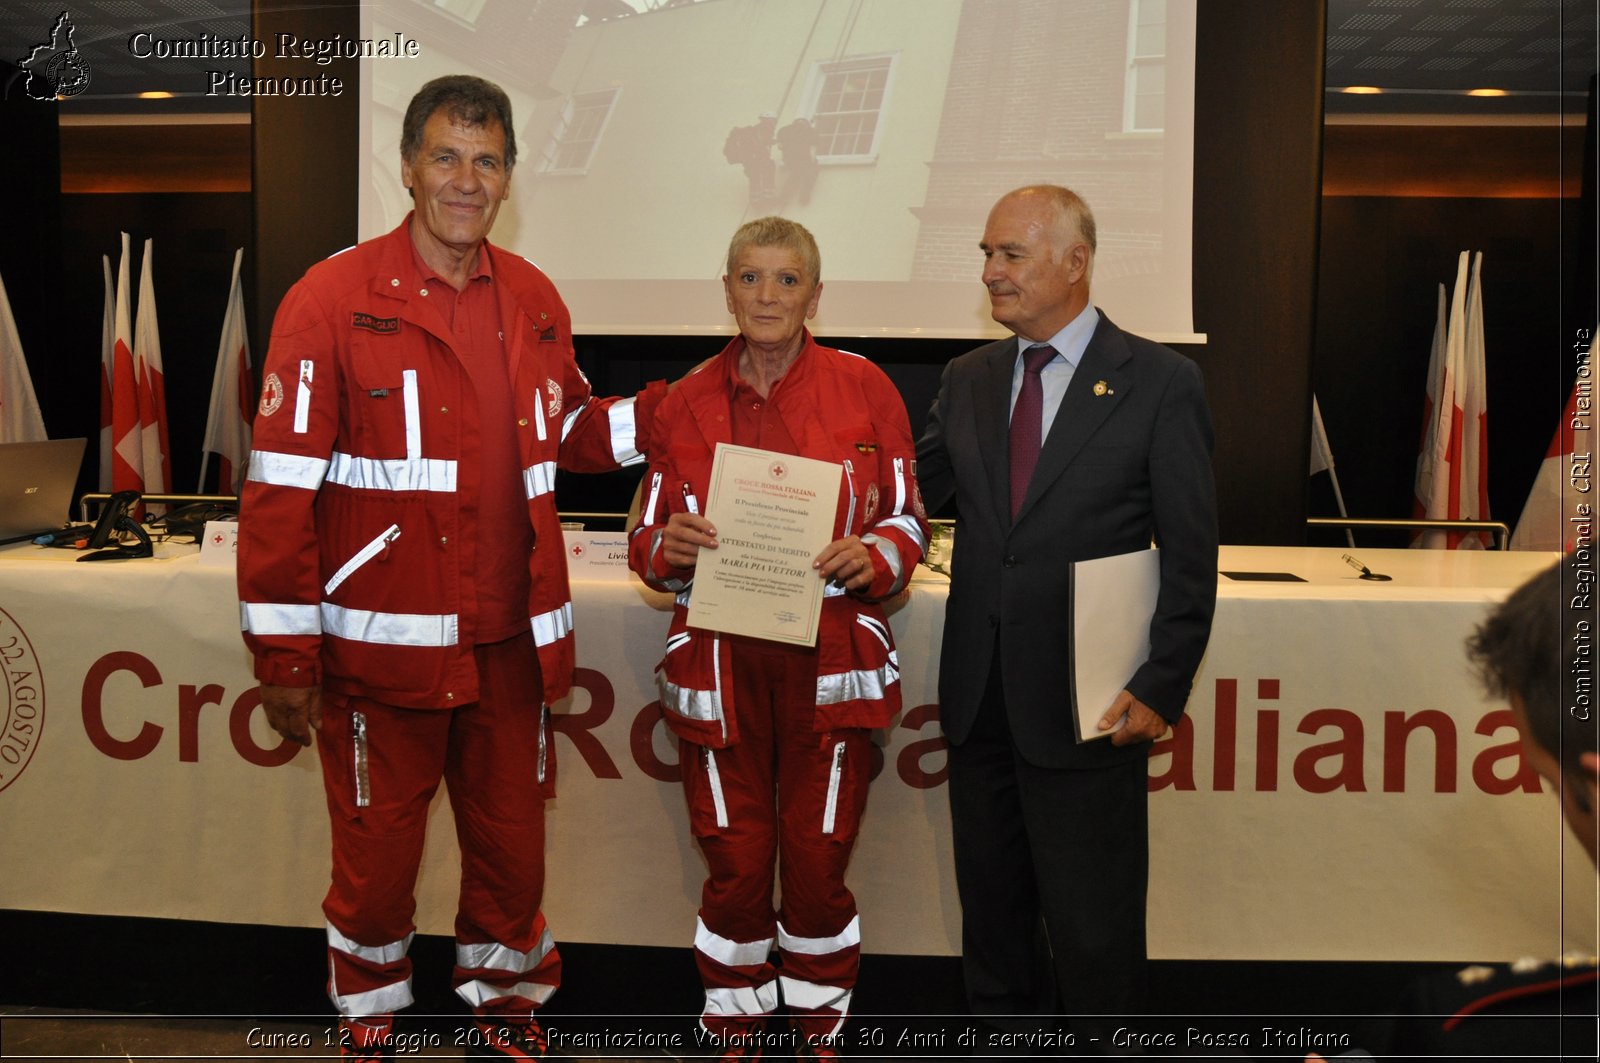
point(775, 739)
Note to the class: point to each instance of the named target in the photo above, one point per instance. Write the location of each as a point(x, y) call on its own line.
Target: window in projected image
point(651, 130)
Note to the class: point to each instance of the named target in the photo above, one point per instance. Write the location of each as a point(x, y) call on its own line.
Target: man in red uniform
point(402, 579)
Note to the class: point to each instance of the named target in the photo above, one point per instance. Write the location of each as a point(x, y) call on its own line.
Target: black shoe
point(367, 1040)
point(513, 1039)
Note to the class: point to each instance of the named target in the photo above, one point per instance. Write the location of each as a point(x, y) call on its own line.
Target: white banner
point(1340, 788)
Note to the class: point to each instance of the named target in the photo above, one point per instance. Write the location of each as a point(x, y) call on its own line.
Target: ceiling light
point(1362, 90)
point(157, 95)
point(1487, 92)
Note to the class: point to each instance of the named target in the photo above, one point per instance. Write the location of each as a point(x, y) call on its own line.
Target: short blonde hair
point(778, 232)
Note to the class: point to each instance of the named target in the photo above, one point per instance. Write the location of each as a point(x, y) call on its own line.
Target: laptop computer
point(36, 484)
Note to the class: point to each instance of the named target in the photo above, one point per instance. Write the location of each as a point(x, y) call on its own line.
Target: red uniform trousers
point(381, 766)
point(786, 793)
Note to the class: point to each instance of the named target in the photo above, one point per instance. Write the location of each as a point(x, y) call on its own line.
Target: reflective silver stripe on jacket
point(688, 702)
point(551, 627)
point(890, 554)
point(899, 485)
point(655, 494)
point(878, 628)
point(389, 629)
point(287, 470)
point(413, 408)
point(392, 474)
point(271, 618)
point(908, 526)
point(674, 584)
point(539, 479)
point(362, 556)
point(865, 684)
point(624, 432)
point(850, 490)
point(302, 397)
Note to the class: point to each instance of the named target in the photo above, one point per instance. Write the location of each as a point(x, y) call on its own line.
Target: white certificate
point(1113, 600)
point(773, 514)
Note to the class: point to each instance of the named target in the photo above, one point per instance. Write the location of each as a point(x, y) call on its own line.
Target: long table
point(1339, 789)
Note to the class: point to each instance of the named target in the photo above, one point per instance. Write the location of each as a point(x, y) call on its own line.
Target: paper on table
point(773, 514)
point(1113, 599)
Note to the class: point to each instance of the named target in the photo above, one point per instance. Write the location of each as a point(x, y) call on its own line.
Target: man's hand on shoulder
point(294, 712)
point(1144, 724)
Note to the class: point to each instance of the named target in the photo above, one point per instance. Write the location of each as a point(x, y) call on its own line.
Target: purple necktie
point(1026, 422)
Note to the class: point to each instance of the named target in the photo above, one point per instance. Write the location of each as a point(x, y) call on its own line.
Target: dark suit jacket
point(1118, 470)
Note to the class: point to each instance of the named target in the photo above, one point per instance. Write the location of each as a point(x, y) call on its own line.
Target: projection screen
point(647, 131)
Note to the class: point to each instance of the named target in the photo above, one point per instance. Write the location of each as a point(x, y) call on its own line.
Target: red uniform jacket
point(838, 407)
point(353, 558)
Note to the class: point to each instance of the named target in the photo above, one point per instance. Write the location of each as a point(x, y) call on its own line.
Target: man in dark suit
point(1051, 846)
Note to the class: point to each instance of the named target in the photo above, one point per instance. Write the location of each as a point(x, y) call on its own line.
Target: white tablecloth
point(1291, 816)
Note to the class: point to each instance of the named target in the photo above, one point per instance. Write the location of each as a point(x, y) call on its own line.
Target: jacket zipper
point(850, 484)
point(362, 556)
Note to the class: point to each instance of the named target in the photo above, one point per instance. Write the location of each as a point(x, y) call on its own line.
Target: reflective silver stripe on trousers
point(714, 778)
point(850, 935)
point(757, 1000)
point(493, 956)
point(392, 474)
point(262, 618)
point(810, 996)
point(835, 777)
point(539, 479)
point(727, 952)
point(551, 627)
point(478, 993)
point(287, 470)
point(389, 629)
point(869, 684)
point(380, 1001)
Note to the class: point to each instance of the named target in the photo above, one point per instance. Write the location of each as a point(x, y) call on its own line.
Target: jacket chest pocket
point(386, 402)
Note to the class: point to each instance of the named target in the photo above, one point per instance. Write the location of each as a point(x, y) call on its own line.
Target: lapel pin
point(1101, 389)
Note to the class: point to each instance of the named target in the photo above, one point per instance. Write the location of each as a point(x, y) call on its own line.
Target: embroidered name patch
point(380, 325)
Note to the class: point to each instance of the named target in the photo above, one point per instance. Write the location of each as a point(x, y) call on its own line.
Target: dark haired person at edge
point(775, 739)
point(1532, 1009)
point(399, 589)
